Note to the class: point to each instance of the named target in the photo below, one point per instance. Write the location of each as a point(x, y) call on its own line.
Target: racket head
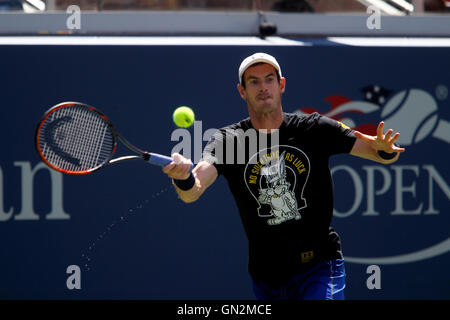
point(75, 138)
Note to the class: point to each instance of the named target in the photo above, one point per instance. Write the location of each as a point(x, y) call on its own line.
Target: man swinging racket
point(284, 192)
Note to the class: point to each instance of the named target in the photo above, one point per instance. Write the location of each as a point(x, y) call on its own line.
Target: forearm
point(190, 195)
point(204, 175)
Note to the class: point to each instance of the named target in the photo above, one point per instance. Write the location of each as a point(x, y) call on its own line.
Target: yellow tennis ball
point(183, 116)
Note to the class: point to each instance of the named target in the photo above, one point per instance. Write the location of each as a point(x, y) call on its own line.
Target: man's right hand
point(179, 168)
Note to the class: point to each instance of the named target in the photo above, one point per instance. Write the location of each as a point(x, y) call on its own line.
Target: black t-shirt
point(282, 186)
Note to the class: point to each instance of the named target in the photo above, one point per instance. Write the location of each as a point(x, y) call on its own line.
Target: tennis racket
point(75, 138)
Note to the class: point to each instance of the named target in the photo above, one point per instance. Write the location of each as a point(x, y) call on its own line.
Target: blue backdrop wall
point(129, 234)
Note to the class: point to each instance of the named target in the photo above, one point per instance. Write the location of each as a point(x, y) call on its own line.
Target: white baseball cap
point(255, 58)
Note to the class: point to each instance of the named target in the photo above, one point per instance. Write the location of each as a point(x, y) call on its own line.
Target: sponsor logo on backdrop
point(415, 114)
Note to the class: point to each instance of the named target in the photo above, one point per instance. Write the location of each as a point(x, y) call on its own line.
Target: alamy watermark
point(374, 280)
point(74, 279)
point(73, 22)
point(374, 20)
point(229, 146)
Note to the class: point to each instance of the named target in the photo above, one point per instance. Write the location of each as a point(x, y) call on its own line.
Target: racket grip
point(161, 160)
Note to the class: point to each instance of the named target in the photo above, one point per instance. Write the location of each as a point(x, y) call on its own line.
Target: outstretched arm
point(204, 174)
point(367, 147)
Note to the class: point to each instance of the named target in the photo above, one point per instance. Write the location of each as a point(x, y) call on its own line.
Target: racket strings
point(76, 139)
point(91, 145)
point(87, 147)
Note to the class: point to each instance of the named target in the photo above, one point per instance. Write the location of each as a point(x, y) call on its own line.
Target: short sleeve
point(337, 137)
point(213, 151)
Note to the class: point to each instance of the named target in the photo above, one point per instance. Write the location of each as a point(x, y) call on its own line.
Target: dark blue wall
point(132, 237)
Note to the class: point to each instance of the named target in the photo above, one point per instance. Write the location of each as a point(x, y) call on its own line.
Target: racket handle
point(161, 160)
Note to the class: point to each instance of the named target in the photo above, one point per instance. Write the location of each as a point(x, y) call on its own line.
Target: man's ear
point(241, 91)
point(282, 84)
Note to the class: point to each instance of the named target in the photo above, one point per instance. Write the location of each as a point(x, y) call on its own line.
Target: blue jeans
point(323, 281)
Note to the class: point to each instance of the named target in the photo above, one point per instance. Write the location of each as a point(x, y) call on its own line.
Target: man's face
point(262, 90)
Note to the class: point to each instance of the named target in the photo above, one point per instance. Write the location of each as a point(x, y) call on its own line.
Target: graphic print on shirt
point(276, 178)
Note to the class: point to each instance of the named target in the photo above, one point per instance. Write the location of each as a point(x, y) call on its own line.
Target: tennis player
point(284, 192)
